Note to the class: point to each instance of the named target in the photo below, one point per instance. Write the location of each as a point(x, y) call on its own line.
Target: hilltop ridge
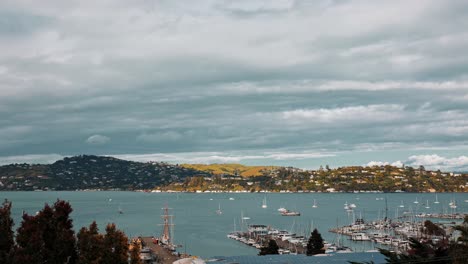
point(232, 169)
point(109, 173)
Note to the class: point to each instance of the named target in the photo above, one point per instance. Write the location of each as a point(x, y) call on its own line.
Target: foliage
point(315, 244)
point(270, 249)
point(432, 229)
point(135, 254)
point(115, 246)
point(90, 245)
point(7, 242)
point(47, 237)
point(231, 169)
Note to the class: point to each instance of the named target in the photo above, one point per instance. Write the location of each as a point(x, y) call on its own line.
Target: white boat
point(290, 213)
point(264, 204)
point(360, 236)
point(427, 204)
point(453, 204)
point(351, 206)
point(402, 205)
point(315, 204)
point(437, 200)
point(231, 198)
point(219, 212)
point(416, 201)
point(346, 206)
point(282, 209)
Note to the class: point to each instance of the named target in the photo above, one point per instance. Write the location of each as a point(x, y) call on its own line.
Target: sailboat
point(315, 204)
point(264, 205)
point(452, 204)
point(120, 210)
point(219, 212)
point(402, 205)
point(346, 206)
point(416, 201)
point(427, 204)
point(437, 200)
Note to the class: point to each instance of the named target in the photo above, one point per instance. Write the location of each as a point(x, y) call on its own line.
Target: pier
point(159, 253)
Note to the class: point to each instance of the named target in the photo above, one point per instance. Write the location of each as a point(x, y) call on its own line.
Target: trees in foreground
point(48, 237)
point(315, 244)
point(270, 249)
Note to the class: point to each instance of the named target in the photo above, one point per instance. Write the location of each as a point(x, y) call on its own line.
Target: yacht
point(346, 206)
point(427, 204)
point(452, 204)
point(282, 210)
point(315, 204)
point(264, 204)
point(290, 213)
point(360, 236)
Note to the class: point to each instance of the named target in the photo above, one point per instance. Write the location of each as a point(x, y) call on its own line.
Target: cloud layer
point(246, 77)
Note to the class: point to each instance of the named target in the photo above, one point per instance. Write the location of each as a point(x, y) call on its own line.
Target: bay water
point(202, 232)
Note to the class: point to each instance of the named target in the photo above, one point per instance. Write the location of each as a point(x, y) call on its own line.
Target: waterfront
point(202, 232)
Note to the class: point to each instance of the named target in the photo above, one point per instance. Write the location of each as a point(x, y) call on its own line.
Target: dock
point(160, 253)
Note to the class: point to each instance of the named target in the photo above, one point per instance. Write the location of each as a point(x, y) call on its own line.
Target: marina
point(200, 231)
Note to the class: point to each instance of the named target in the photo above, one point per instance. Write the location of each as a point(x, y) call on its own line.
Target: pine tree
point(90, 245)
point(115, 249)
point(7, 242)
point(270, 249)
point(47, 236)
point(315, 244)
point(135, 254)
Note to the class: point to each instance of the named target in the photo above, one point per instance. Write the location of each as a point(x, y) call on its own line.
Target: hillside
point(108, 173)
point(92, 172)
point(232, 169)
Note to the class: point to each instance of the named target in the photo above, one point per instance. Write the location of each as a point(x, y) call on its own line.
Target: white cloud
point(97, 140)
point(219, 157)
point(439, 162)
point(432, 161)
point(374, 113)
point(384, 163)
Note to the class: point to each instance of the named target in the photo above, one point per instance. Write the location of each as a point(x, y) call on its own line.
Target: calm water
point(204, 232)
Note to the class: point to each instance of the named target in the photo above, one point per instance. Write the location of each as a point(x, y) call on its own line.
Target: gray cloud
point(248, 77)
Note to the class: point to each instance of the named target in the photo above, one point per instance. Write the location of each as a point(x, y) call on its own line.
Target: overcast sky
point(282, 82)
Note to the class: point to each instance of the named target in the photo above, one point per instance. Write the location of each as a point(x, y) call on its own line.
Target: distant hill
point(108, 173)
point(92, 172)
point(232, 169)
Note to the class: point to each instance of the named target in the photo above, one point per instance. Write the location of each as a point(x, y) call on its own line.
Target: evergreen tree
point(315, 244)
point(115, 246)
point(135, 254)
point(90, 245)
point(47, 237)
point(270, 249)
point(6, 233)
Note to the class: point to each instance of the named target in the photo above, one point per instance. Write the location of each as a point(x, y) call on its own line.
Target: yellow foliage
point(231, 169)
